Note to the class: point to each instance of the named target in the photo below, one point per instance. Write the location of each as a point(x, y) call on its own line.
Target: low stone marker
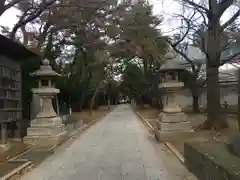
point(172, 119)
point(211, 161)
point(46, 129)
point(234, 146)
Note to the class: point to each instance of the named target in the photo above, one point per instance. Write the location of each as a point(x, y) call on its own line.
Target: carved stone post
point(47, 129)
point(171, 119)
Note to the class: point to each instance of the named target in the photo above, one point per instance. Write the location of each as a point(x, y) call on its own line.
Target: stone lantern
point(47, 129)
point(171, 119)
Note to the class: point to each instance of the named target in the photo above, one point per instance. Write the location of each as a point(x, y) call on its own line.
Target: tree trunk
point(195, 88)
point(94, 96)
point(213, 49)
point(238, 99)
point(195, 103)
point(43, 35)
point(109, 102)
point(214, 119)
point(213, 61)
point(70, 104)
point(213, 97)
point(81, 102)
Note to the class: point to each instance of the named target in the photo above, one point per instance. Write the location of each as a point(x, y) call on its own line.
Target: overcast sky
point(168, 7)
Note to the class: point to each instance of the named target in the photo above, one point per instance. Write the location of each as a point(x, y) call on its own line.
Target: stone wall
point(211, 161)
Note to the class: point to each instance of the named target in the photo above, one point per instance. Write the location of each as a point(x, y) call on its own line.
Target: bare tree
point(30, 11)
point(209, 14)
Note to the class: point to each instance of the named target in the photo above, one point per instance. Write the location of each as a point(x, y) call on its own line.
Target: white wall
point(229, 94)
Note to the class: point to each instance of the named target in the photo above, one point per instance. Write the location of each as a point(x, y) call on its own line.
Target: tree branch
point(31, 17)
point(196, 5)
point(203, 83)
point(182, 54)
point(43, 34)
point(230, 21)
point(203, 14)
point(174, 45)
point(188, 22)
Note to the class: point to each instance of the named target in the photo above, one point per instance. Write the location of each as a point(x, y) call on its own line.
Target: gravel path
point(117, 148)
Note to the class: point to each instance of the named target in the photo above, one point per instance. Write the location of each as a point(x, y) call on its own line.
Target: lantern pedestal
point(46, 130)
point(170, 125)
point(171, 120)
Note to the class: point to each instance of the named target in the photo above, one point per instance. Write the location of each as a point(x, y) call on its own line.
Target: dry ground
point(150, 115)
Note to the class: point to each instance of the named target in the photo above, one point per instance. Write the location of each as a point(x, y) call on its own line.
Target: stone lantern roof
point(45, 70)
point(171, 65)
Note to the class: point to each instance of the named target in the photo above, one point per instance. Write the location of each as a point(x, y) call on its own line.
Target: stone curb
point(16, 158)
point(175, 151)
point(144, 121)
point(167, 144)
point(16, 171)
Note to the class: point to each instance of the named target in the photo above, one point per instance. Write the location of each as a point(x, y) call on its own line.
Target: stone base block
point(234, 144)
point(173, 122)
point(52, 121)
point(172, 117)
point(177, 127)
point(45, 130)
point(166, 136)
point(44, 141)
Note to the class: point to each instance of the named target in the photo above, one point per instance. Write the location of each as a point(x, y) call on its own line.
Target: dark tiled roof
point(198, 57)
point(14, 50)
point(171, 65)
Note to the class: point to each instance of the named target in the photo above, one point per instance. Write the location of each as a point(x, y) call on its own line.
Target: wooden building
point(12, 54)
